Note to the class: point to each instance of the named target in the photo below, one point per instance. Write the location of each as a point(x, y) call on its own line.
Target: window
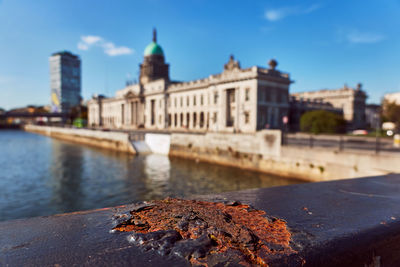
point(232, 96)
point(194, 100)
point(201, 120)
point(175, 102)
point(194, 120)
point(181, 122)
point(215, 97)
point(201, 99)
point(187, 101)
point(215, 117)
point(181, 101)
point(247, 94)
point(270, 96)
point(267, 95)
point(160, 103)
point(176, 120)
point(246, 117)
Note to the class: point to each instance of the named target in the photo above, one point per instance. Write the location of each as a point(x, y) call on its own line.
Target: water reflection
point(157, 168)
point(42, 176)
point(66, 170)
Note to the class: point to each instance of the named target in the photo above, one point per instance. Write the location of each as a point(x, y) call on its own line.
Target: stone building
point(351, 101)
point(235, 100)
point(392, 98)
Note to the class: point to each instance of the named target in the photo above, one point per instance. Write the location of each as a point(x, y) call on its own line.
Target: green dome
point(153, 49)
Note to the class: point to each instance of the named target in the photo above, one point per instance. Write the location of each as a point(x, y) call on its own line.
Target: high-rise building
point(65, 81)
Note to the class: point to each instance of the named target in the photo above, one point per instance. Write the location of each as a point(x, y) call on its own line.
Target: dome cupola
point(153, 48)
point(153, 66)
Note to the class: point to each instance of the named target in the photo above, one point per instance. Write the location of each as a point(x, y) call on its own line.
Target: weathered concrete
point(341, 223)
point(110, 140)
point(321, 164)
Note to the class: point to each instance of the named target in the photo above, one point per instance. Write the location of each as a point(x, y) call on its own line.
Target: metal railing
point(341, 142)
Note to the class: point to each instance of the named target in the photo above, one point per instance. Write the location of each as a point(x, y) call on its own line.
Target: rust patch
point(207, 233)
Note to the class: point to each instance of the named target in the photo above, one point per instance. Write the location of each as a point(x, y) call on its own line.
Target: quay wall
point(110, 140)
point(261, 151)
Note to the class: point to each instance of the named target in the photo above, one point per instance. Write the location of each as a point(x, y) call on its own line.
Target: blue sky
point(322, 44)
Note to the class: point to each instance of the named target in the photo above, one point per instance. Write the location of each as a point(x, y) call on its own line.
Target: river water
point(43, 176)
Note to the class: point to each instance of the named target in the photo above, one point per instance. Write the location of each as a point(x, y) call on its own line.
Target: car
point(359, 132)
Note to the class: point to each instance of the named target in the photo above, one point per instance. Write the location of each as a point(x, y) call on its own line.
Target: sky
point(321, 44)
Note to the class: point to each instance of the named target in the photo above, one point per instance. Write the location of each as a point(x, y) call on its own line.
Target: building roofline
point(65, 53)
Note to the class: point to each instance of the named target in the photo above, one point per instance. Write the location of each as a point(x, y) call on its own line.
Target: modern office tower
point(65, 81)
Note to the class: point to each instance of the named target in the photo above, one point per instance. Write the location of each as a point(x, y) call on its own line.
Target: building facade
point(65, 81)
point(392, 98)
point(373, 115)
point(235, 100)
point(350, 101)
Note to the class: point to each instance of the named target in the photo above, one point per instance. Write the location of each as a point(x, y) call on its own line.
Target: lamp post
point(377, 122)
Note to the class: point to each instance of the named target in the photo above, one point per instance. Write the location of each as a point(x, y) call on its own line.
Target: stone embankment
point(111, 140)
point(261, 151)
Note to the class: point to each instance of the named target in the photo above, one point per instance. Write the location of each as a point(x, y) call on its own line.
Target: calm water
point(42, 176)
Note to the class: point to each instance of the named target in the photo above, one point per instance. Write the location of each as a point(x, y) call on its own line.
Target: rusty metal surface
point(341, 223)
point(208, 233)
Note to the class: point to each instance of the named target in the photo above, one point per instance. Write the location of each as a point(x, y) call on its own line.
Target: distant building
point(351, 101)
point(65, 81)
point(392, 98)
point(372, 115)
point(236, 100)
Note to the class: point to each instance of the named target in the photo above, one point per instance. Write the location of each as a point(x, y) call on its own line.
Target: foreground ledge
point(342, 223)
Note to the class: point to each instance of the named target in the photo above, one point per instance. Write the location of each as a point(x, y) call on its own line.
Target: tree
point(322, 121)
point(391, 113)
point(77, 112)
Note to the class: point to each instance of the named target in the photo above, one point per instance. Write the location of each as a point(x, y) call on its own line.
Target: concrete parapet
point(265, 143)
point(110, 140)
point(328, 164)
point(341, 223)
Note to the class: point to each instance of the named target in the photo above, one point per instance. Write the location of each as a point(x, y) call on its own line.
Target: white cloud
point(91, 39)
point(83, 46)
point(357, 37)
point(283, 12)
point(109, 48)
point(112, 50)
